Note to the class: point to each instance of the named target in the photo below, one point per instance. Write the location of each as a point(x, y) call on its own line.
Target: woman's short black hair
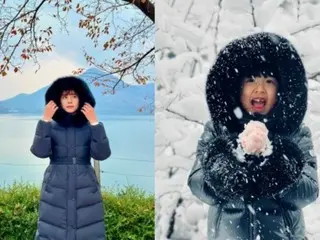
point(70, 83)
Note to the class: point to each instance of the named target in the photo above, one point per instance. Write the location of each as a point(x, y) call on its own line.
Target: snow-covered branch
point(216, 34)
point(305, 28)
point(183, 117)
point(210, 21)
point(253, 14)
point(314, 76)
point(298, 9)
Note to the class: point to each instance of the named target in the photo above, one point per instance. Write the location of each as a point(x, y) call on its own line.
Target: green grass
point(129, 213)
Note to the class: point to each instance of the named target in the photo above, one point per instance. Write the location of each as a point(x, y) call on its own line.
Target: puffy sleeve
point(217, 175)
point(99, 148)
point(289, 174)
point(41, 146)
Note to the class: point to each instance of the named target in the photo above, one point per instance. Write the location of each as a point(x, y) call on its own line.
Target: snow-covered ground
point(190, 33)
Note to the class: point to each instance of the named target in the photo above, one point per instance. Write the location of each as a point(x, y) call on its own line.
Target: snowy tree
point(190, 34)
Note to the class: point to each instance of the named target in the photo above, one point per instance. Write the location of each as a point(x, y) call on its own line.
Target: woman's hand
point(49, 111)
point(90, 113)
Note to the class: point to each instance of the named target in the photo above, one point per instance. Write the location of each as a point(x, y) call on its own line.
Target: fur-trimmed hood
point(54, 93)
point(252, 53)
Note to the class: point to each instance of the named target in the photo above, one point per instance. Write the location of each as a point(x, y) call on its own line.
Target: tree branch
point(210, 21)
point(9, 58)
point(188, 12)
point(252, 14)
point(16, 16)
point(33, 23)
point(128, 67)
point(298, 10)
point(306, 28)
point(314, 76)
point(145, 6)
point(217, 28)
point(184, 117)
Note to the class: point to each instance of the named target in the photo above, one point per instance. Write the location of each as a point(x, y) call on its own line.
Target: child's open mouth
point(258, 104)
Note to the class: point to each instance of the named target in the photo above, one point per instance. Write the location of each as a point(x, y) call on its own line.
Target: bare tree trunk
point(145, 6)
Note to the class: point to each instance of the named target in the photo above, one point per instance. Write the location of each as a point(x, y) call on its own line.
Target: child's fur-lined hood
point(256, 52)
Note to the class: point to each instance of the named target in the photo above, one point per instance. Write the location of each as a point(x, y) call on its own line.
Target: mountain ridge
point(126, 100)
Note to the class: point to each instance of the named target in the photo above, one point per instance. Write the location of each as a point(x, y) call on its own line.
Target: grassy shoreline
point(129, 212)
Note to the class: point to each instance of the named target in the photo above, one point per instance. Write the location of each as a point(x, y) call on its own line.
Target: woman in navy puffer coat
point(71, 206)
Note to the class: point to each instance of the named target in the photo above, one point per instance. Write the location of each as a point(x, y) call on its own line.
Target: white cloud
point(51, 67)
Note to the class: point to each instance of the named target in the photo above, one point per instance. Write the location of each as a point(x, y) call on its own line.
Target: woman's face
point(69, 101)
point(259, 94)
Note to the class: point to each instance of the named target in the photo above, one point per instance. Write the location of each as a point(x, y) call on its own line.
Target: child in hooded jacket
point(69, 134)
point(255, 163)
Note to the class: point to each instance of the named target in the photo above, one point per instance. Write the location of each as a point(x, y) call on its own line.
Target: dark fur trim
point(54, 93)
point(222, 171)
point(258, 52)
point(280, 170)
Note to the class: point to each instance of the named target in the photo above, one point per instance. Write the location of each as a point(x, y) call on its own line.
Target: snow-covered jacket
point(249, 200)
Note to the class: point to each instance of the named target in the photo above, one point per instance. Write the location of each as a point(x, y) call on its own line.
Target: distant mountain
point(126, 100)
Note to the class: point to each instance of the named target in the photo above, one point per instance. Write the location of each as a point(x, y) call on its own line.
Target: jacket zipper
point(68, 191)
point(250, 225)
point(252, 220)
point(74, 158)
point(254, 227)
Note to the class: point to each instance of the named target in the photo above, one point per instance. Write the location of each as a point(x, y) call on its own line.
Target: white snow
point(251, 209)
point(238, 113)
point(188, 28)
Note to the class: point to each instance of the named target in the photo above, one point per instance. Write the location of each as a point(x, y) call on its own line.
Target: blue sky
point(66, 56)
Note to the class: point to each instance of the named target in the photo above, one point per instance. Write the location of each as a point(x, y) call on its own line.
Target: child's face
point(259, 94)
point(69, 101)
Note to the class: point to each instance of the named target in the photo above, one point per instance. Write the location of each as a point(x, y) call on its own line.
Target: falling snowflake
point(263, 163)
point(285, 157)
point(251, 209)
point(237, 111)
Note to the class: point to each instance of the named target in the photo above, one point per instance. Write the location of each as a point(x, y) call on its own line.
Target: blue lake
point(131, 141)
